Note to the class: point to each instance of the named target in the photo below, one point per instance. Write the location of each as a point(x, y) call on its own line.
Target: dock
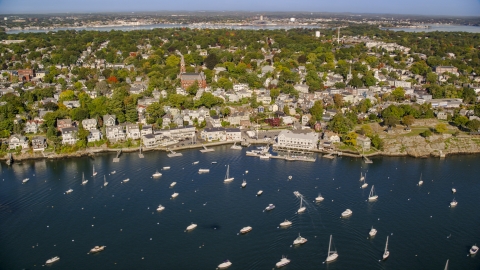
point(245, 143)
point(117, 158)
point(9, 159)
point(367, 160)
point(329, 156)
point(140, 154)
point(298, 158)
point(174, 154)
point(205, 149)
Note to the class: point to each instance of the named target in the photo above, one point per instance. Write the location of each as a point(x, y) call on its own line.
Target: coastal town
point(181, 88)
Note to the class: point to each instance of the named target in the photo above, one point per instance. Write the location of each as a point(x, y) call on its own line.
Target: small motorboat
point(473, 250)
point(97, 249)
point(126, 180)
point(454, 190)
point(299, 240)
point(290, 177)
point(245, 230)
point(166, 168)
point(259, 192)
point(191, 227)
point(160, 208)
point(286, 223)
point(113, 172)
point(173, 184)
point(246, 172)
point(284, 261)
point(174, 195)
point(52, 260)
point(214, 162)
point(157, 174)
point(69, 191)
point(453, 203)
point(270, 207)
point(244, 184)
point(203, 170)
point(372, 232)
point(365, 185)
point(25, 180)
point(319, 198)
point(226, 264)
point(195, 162)
point(347, 213)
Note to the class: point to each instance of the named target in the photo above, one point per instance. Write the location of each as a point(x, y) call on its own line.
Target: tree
point(398, 94)
point(391, 121)
point(172, 61)
point(377, 142)
point(473, 125)
point(441, 128)
point(154, 112)
point(408, 120)
point(338, 100)
point(340, 124)
point(211, 61)
point(192, 89)
point(317, 109)
point(426, 133)
point(460, 120)
point(350, 138)
point(366, 130)
point(286, 110)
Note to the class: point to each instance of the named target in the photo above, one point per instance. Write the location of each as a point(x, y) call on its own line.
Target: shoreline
point(93, 151)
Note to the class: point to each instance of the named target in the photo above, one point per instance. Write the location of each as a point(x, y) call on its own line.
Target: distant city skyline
point(422, 7)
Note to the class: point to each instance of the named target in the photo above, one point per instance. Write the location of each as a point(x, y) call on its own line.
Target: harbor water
point(38, 220)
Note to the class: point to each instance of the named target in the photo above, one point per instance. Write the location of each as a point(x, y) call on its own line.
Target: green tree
point(317, 109)
point(154, 112)
point(340, 124)
point(350, 138)
point(441, 128)
point(408, 120)
point(473, 125)
point(211, 61)
point(286, 110)
point(399, 94)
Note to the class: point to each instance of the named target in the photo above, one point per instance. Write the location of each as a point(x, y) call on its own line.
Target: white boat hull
point(373, 198)
point(386, 254)
point(301, 210)
point(332, 257)
point(228, 179)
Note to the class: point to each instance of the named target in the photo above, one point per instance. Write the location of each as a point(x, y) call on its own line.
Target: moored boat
point(270, 207)
point(69, 191)
point(244, 184)
point(25, 180)
point(245, 230)
point(226, 264)
point(299, 240)
point(386, 253)
point(126, 180)
point(372, 196)
point(174, 195)
point(52, 260)
point(157, 174)
point(97, 249)
point(259, 192)
point(347, 213)
point(195, 162)
point(166, 168)
point(319, 198)
point(191, 227)
point(453, 203)
point(160, 208)
point(173, 184)
point(203, 170)
point(284, 261)
point(332, 254)
point(372, 232)
point(286, 223)
point(473, 250)
point(227, 175)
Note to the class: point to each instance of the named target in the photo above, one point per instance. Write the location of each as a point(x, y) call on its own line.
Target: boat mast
point(386, 246)
point(329, 245)
point(446, 266)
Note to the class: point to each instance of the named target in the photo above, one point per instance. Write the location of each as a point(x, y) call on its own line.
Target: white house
point(297, 139)
point(95, 135)
point(109, 120)
point(212, 134)
point(133, 131)
point(331, 137)
point(17, 140)
point(89, 124)
point(115, 133)
point(32, 126)
point(69, 135)
point(233, 134)
point(39, 143)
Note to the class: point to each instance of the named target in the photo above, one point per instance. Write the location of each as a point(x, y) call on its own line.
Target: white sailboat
point(362, 177)
point(284, 261)
point(319, 198)
point(332, 254)
point(244, 184)
point(302, 208)
point(105, 183)
point(227, 175)
point(372, 196)
point(299, 240)
point(453, 203)
point(157, 174)
point(84, 181)
point(386, 253)
point(372, 232)
point(94, 172)
point(421, 181)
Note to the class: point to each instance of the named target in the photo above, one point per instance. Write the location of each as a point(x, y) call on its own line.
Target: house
point(109, 120)
point(133, 131)
point(215, 121)
point(32, 126)
point(297, 139)
point(331, 137)
point(72, 104)
point(63, 123)
point(235, 118)
point(115, 133)
point(39, 143)
point(233, 134)
point(89, 124)
point(17, 141)
point(364, 142)
point(149, 140)
point(181, 133)
point(442, 69)
point(442, 115)
point(69, 135)
point(146, 129)
point(95, 135)
point(212, 134)
point(305, 119)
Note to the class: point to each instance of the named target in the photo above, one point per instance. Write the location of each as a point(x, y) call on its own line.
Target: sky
point(418, 7)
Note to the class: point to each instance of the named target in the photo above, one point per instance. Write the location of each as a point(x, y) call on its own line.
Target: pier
point(9, 159)
point(117, 158)
point(140, 154)
point(173, 154)
point(367, 160)
point(205, 149)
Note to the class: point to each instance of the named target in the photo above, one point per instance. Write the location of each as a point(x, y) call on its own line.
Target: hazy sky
point(427, 7)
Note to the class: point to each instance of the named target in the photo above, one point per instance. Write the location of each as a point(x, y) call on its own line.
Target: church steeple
point(182, 64)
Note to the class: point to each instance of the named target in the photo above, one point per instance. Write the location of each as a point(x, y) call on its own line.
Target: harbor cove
point(40, 220)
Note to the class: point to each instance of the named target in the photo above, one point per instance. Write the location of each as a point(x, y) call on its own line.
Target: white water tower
point(317, 34)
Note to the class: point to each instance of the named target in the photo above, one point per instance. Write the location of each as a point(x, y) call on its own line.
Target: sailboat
point(365, 185)
point(362, 177)
point(372, 196)
point(227, 176)
point(446, 266)
point(332, 254)
point(84, 181)
point(302, 208)
point(319, 198)
point(386, 253)
point(94, 172)
point(421, 181)
point(105, 183)
point(244, 184)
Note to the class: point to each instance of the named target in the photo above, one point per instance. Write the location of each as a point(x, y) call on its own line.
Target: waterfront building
point(95, 135)
point(297, 139)
point(69, 135)
point(109, 120)
point(213, 134)
point(17, 140)
point(115, 133)
point(89, 124)
point(132, 131)
point(64, 123)
point(233, 134)
point(39, 143)
point(32, 126)
point(364, 142)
